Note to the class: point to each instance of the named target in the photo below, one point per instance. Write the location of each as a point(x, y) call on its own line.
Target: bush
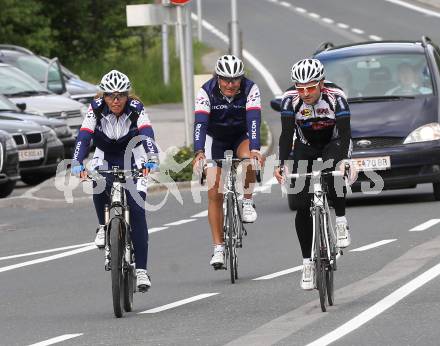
point(178, 164)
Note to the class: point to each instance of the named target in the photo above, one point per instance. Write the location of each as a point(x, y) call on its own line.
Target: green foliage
point(184, 156)
point(264, 129)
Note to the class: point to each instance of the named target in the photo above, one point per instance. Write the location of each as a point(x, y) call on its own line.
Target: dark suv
point(393, 93)
point(9, 171)
point(39, 149)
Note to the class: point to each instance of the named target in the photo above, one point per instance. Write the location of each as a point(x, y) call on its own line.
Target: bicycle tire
point(230, 234)
point(329, 277)
point(116, 250)
point(320, 264)
point(129, 283)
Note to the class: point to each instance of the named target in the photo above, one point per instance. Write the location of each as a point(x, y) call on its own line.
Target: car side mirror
point(276, 104)
point(21, 106)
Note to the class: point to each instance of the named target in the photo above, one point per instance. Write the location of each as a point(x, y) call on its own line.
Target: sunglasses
point(310, 88)
point(230, 80)
point(114, 96)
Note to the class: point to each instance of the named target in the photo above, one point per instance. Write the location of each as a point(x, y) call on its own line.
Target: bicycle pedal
point(218, 266)
point(108, 267)
point(341, 252)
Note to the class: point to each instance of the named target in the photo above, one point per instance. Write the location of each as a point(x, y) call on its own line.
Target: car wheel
point(6, 189)
point(436, 187)
point(35, 179)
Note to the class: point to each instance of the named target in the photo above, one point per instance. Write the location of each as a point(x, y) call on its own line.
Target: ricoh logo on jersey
point(150, 145)
point(219, 107)
point(77, 148)
point(197, 132)
point(254, 129)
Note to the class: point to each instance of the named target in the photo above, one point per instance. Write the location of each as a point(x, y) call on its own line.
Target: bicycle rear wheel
point(129, 283)
point(230, 237)
point(320, 261)
point(117, 247)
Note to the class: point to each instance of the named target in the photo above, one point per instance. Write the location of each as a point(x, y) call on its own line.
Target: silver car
point(20, 88)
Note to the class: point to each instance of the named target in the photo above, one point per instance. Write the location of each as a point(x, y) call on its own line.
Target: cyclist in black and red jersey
point(317, 113)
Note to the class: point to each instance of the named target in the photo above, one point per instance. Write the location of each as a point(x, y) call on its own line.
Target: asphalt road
point(385, 294)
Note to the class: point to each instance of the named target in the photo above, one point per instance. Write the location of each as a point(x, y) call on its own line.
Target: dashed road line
point(44, 251)
point(373, 245)
point(179, 222)
point(280, 273)
point(331, 21)
point(178, 303)
point(415, 8)
point(424, 226)
point(156, 229)
point(203, 213)
point(378, 308)
point(57, 339)
point(48, 258)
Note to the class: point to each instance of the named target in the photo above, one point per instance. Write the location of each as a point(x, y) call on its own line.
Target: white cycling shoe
point(343, 235)
point(100, 237)
point(249, 213)
point(143, 282)
point(308, 276)
point(218, 258)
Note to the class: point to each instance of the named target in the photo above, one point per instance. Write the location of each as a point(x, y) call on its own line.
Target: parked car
point(395, 128)
point(20, 88)
point(9, 111)
point(9, 171)
point(49, 72)
point(39, 149)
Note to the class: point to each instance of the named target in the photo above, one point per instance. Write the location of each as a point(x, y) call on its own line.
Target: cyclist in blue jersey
point(317, 113)
point(113, 119)
point(227, 117)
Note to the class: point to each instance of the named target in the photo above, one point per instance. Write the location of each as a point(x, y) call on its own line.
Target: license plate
point(373, 163)
point(30, 154)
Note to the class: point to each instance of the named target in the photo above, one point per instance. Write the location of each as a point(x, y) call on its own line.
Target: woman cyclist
point(114, 118)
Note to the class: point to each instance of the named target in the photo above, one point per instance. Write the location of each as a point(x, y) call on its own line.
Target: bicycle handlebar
point(203, 163)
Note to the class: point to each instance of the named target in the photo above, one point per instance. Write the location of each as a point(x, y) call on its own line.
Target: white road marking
point(379, 307)
point(342, 25)
point(44, 251)
point(258, 66)
point(57, 339)
point(373, 245)
point(314, 15)
point(179, 222)
point(178, 303)
point(156, 229)
point(415, 8)
point(285, 4)
point(357, 31)
point(424, 226)
point(375, 38)
point(49, 258)
point(328, 20)
point(300, 10)
point(201, 214)
point(284, 272)
point(280, 273)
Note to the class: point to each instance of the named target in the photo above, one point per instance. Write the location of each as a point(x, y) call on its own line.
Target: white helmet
point(307, 70)
point(115, 81)
point(229, 66)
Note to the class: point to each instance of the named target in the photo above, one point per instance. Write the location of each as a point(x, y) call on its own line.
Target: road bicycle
point(324, 250)
point(233, 226)
point(118, 249)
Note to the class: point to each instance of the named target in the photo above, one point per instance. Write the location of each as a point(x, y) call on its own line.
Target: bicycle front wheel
point(320, 261)
point(230, 231)
point(117, 251)
point(129, 281)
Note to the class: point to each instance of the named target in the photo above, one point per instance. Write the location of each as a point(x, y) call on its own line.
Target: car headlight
point(83, 111)
point(62, 131)
point(10, 144)
point(50, 135)
point(428, 132)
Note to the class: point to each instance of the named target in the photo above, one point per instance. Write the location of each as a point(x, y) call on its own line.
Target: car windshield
point(393, 75)
point(14, 82)
point(37, 68)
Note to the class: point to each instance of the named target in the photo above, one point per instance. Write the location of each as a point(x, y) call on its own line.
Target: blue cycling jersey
point(227, 118)
point(112, 134)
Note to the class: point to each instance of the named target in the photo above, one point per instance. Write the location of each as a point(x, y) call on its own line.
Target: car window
point(5, 104)
point(14, 81)
point(381, 75)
